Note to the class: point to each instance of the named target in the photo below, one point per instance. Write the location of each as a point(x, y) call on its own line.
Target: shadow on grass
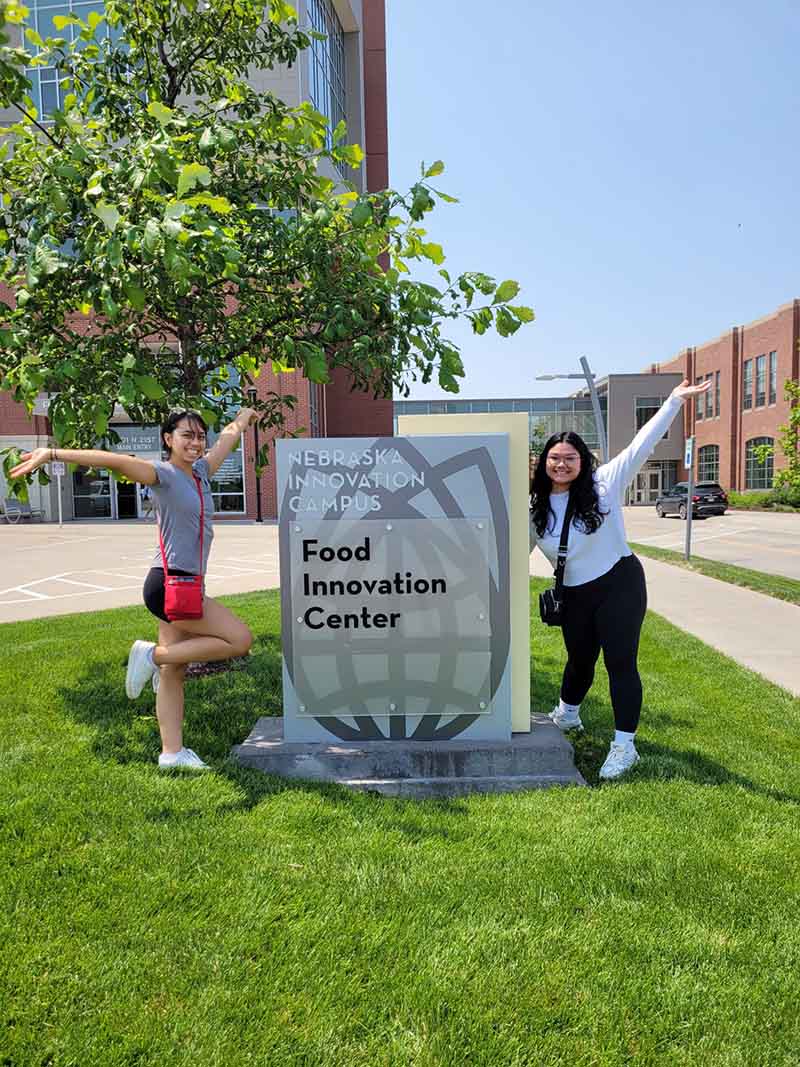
point(221, 710)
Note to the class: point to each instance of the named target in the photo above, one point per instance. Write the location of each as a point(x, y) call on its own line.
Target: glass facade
point(47, 93)
point(645, 407)
point(708, 463)
point(327, 78)
point(546, 415)
point(758, 475)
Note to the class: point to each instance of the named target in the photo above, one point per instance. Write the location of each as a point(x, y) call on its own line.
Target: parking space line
point(26, 591)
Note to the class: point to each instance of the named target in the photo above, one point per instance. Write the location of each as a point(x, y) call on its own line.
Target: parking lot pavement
point(760, 540)
point(89, 566)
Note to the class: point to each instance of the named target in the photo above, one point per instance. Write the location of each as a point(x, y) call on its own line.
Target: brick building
point(745, 407)
point(343, 77)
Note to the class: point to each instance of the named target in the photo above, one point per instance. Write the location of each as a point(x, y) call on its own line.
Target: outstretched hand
point(685, 390)
point(31, 461)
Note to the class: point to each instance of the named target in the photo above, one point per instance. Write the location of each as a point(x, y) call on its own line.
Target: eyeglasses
point(568, 460)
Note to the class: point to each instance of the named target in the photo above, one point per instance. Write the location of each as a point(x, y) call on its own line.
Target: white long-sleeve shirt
point(591, 555)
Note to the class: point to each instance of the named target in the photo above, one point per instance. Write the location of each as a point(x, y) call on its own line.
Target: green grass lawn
point(232, 919)
point(771, 584)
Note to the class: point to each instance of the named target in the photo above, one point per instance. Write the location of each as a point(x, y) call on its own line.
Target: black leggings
point(606, 614)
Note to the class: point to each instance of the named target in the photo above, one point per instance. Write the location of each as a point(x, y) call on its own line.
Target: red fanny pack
point(183, 594)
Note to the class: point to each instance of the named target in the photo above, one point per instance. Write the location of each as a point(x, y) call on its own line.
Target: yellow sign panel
point(516, 426)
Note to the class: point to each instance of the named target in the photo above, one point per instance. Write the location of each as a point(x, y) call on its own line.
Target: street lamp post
point(588, 377)
point(251, 393)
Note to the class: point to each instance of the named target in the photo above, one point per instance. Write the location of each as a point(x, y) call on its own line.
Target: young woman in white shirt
point(605, 597)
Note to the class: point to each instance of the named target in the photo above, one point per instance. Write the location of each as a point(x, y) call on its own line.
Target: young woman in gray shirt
point(176, 484)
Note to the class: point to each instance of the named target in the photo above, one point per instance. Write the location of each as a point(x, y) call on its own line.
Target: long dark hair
point(172, 420)
point(587, 513)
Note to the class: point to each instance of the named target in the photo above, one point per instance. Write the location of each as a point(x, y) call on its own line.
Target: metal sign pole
point(688, 462)
point(59, 469)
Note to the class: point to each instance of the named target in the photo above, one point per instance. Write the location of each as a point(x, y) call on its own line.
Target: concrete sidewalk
point(755, 630)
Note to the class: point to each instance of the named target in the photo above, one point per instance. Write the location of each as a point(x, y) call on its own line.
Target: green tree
point(172, 224)
point(787, 480)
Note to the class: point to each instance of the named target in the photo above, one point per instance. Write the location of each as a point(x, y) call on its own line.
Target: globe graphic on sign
point(367, 672)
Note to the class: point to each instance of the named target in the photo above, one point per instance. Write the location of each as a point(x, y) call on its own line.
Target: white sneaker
point(565, 720)
point(140, 667)
point(620, 759)
point(185, 758)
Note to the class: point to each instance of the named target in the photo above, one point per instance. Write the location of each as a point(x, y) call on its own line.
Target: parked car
point(708, 498)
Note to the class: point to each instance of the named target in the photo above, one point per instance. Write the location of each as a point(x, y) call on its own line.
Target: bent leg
point(620, 619)
point(218, 635)
point(583, 648)
point(169, 699)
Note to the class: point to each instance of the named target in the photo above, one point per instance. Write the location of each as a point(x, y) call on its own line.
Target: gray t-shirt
point(178, 510)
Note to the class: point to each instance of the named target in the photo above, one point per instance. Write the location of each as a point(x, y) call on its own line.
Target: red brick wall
point(778, 332)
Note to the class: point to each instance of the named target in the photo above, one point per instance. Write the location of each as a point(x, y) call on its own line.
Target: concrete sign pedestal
point(534, 760)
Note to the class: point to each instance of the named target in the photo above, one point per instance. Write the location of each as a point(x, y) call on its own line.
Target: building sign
point(136, 439)
point(395, 587)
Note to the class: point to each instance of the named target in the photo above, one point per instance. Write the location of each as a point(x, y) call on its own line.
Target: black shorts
point(153, 592)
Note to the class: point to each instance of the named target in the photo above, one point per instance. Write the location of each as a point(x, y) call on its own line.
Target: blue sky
point(633, 165)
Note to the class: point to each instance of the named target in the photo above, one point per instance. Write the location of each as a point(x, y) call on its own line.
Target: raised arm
point(619, 471)
point(228, 440)
point(136, 470)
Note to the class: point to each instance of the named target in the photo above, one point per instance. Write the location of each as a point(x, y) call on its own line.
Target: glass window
point(708, 463)
point(758, 475)
point(747, 384)
point(699, 404)
point(479, 407)
point(709, 398)
point(91, 494)
point(544, 404)
point(227, 485)
point(458, 407)
point(761, 381)
point(326, 64)
point(46, 91)
point(645, 407)
point(501, 405)
point(773, 377)
point(716, 393)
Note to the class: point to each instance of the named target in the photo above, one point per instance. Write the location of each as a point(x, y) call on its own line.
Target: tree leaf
point(190, 175)
point(505, 291)
point(361, 213)
point(136, 297)
point(149, 386)
point(217, 204)
point(434, 253)
point(160, 112)
point(108, 214)
point(434, 169)
point(151, 235)
point(315, 364)
point(524, 314)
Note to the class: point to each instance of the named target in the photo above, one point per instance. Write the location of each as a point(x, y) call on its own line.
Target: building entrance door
point(127, 500)
point(648, 486)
